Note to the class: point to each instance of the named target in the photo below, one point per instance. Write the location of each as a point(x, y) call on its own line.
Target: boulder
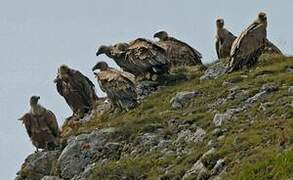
point(86, 149)
point(214, 71)
point(38, 165)
point(290, 90)
point(181, 99)
point(51, 178)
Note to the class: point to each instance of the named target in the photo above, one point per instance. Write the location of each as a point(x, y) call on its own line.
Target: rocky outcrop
point(181, 99)
point(38, 165)
point(86, 149)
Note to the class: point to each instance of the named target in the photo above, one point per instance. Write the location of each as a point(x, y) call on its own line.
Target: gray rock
point(187, 136)
point(181, 99)
point(269, 87)
point(86, 149)
point(51, 178)
point(145, 88)
point(290, 90)
point(38, 165)
point(218, 168)
point(214, 71)
point(220, 119)
point(197, 171)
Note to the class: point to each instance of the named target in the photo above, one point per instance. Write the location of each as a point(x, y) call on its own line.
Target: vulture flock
point(140, 59)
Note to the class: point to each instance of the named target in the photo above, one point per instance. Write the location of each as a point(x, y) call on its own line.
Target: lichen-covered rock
point(197, 169)
point(38, 165)
point(220, 119)
point(181, 99)
point(187, 136)
point(145, 88)
point(86, 149)
point(51, 178)
point(290, 90)
point(214, 71)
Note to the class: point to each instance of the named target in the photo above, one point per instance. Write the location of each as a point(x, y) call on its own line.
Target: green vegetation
point(257, 144)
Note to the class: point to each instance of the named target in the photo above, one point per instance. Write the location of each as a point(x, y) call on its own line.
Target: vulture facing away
point(77, 90)
point(247, 48)
point(140, 57)
point(224, 40)
point(118, 85)
point(178, 52)
point(41, 126)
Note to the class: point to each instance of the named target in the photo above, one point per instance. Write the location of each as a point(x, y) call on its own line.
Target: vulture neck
point(37, 109)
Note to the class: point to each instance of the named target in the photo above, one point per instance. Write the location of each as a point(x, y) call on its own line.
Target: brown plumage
point(118, 85)
point(77, 90)
point(270, 48)
point(249, 45)
point(178, 52)
point(224, 40)
point(41, 126)
point(140, 57)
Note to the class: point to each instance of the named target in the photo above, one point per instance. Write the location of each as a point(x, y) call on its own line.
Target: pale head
point(162, 35)
point(102, 66)
point(34, 100)
point(103, 49)
point(220, 23)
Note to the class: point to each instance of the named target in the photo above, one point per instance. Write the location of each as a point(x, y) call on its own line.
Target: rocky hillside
point(200, 125)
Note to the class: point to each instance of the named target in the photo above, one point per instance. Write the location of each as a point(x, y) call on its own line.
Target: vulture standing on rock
point(178, 52)
point(140, 57)
point(41, 126)
point(77, 90)
point(118, 85)
point(247, 48)
point(224, 40)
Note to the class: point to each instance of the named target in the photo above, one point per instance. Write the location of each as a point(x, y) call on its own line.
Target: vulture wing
point(27, 119)
point(145, 54)
point(118, 86)
point(249, 40)
point(271, 48)
point(217, 45)
point(52, 123)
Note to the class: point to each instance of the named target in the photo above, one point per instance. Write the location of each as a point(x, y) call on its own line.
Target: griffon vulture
point(247, 48)
point(41, 126)
point(178, 52)
point(77, 90)
point(141, 57)
point(224, 40)
point(118, 85)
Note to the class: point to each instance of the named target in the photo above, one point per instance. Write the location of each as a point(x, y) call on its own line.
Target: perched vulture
point(118, 85)
point(270, 48)
point(41, 126)
point(77, 90)
point(224, 40)
point(247, 48)
point(178, 52)
point(140, 57)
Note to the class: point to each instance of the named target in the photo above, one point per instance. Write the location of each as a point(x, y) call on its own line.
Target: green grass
point(252, 149)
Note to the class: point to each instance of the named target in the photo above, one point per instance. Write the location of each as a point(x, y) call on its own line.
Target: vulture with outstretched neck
point(118, 85)
point(141, 57)
point(224, 40)
point(178, 52)
point(41, 126)
point(77, 90)
point(247, 48)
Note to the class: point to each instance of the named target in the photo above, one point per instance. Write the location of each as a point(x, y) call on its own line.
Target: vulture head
point(162, 35)
point(102, 66)
point(103, 50)
point(220, 23)
point(34, 100)
point(262, 17)
point(63, 71)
